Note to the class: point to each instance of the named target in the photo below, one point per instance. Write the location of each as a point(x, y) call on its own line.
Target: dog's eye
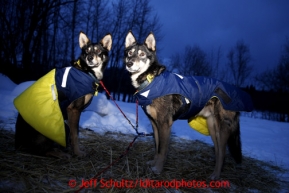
point(142, 54)
point(130, 53)
point(96, 50)
point(88, 49)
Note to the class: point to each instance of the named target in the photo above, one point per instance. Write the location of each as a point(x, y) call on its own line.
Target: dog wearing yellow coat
point(49, 110)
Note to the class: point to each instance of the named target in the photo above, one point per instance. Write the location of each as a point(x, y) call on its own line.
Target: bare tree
point(277, 79)
point(135, 15)
point(215, 58)
point(73, 24)
point(98, 18)
point(238, 63)
point(193, 62)
point(27, 32)
point(174, 62)
point(37, 36)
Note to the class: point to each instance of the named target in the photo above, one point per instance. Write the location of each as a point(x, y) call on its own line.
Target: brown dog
point(165, 97)
point(76, 86)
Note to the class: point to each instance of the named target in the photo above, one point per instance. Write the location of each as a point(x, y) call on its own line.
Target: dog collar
point(149, 79)
point(96, 81)
point(78, 63)
point(90, 74)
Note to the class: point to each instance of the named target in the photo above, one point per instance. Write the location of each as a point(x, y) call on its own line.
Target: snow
point(261, 139)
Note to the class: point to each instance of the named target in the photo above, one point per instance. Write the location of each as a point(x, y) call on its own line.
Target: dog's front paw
point(214, 176)
point(151, 162)
point(80, 153)
point(65, 156)
point(156, 170)
point(59, 154)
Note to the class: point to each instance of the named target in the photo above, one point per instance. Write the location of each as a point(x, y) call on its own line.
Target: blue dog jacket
point(72, 84)
point(197, 91)
point(43, 105)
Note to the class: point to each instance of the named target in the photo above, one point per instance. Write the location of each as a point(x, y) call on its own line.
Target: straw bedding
point(187, 160)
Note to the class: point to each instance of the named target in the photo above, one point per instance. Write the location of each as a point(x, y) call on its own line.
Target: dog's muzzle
point(130, 63)
point(90, 58)
point(92, 61)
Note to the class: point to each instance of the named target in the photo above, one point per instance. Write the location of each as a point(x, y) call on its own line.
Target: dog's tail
point(234, 141)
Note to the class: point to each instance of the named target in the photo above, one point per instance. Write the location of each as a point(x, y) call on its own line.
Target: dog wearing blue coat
point(166, 97)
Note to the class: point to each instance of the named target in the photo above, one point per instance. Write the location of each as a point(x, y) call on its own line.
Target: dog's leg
point(156, 138)
point(229, 129)
point(219, 146)
point(152, 114)
point(234, 141)
point(73, 113)
point(220, 124)
point(219, 132)
point(73, 121)
point(164, 132)
point(211, 122)
point(221, 138)
point(161, 122)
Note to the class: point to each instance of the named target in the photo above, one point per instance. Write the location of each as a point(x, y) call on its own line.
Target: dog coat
point(43, 104)
point(197, 91)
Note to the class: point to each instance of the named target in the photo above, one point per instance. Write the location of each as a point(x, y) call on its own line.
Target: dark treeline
point(272, 100)
point(39, 35)
point(271, 105)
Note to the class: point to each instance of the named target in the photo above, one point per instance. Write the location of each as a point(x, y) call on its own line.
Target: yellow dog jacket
point(39, 104)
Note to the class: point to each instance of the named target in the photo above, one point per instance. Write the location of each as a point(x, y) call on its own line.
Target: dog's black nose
point(89, 58)
point(129, 64)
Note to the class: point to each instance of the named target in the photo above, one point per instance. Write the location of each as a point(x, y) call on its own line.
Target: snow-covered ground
point(261, 139)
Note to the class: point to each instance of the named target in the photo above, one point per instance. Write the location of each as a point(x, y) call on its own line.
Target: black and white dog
point(76, 85)
point(166, 96)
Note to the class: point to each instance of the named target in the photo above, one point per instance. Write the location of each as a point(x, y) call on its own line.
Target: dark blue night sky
point(263, 25)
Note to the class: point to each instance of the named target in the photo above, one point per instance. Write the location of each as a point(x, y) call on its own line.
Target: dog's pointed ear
point(83, 39)
point(106, 41)
point(129, 40)
point(151, 42)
